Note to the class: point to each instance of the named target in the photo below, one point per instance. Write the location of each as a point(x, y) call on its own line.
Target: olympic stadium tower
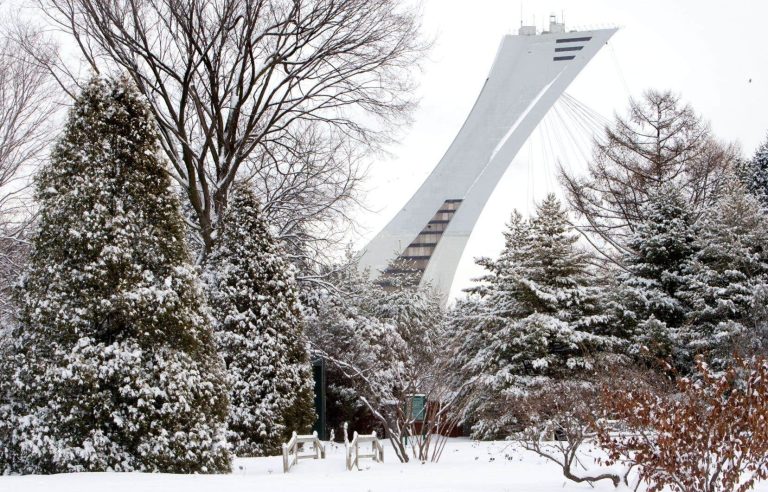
point(530, 72)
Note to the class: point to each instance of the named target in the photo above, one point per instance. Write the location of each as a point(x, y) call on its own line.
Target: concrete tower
point(529, 74)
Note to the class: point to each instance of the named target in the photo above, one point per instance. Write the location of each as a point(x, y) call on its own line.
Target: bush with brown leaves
point(710, 436)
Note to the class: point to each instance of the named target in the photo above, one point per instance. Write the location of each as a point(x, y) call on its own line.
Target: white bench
point(353, 449)
point(293, 448)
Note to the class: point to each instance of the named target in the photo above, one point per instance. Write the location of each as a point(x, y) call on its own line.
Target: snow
point(466, 465)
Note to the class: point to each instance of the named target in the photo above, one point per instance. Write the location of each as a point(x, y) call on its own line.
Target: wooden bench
point(353, 449)
point(293, 448)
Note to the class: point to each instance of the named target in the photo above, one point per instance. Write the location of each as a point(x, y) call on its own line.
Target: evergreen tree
point(497, 283)
point(469, 331)
point(754, 173)
point(260, 331)
point(649, 303)
point(729, 266)
point(115, 366)
point(541, 314)
point(414, 309)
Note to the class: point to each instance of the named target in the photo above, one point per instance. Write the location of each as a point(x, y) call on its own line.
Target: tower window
point(572, 40)
point(569, 48)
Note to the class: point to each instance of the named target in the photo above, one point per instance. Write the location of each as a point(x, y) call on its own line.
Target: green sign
point(418, 407)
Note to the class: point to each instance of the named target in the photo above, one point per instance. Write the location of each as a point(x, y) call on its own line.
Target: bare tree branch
point(27, 108)
point(242, 88)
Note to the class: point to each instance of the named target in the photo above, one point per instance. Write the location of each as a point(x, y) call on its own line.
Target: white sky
point(705, 50)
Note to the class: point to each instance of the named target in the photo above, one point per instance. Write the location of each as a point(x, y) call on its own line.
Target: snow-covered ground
point(466, 466)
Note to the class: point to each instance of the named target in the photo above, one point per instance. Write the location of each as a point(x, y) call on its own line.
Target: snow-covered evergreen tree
point(649, 304)
point(259, 330)
point(339, 315)
point(413, 308)
point(729, 266)
point(756, 340)
point(496, 283)
point(540, 313)
point(468, 332)
point(754, 173)
point(115, 365)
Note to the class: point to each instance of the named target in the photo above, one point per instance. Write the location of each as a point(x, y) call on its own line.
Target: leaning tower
point(530, 72)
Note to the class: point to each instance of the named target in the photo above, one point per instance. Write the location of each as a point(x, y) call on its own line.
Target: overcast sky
point(705, 50)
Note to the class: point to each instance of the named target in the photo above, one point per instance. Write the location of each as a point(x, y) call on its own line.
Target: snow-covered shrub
point(259, 330)
point(114, 364)
point(385, 343)
point(709, 436)
point(559, 425)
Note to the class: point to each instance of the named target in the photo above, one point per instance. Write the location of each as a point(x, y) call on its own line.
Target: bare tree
point(559, 428)
point(661, 140)
point(242, 87)
point(27, 107)
point(307, 193)
point(563, 419)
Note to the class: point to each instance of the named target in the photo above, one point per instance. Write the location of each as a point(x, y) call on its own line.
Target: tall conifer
point(115, 366)
point(539, 312)
point(729, 267)
point(650, 305)
point(259, 330)
point(754, 173)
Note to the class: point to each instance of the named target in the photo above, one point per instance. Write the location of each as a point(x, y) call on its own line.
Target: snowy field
point(466, 466)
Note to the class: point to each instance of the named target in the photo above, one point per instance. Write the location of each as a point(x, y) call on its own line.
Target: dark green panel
point(318, 370)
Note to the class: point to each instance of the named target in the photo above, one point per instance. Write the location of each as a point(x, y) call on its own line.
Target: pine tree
point(260, 331)
point(754, 173)
point(497, 283)
point(540, 313)
point(649, 303)
point(115, 361)
point(469, 331)
point(730, 265)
